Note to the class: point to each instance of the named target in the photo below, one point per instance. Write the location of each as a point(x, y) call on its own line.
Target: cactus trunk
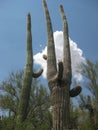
point(60, 108)
point(58, 80)
point(28, 74)
point(26, 87)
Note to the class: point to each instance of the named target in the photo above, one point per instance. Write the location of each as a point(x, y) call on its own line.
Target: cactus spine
point(28, 74)
point(59, 80)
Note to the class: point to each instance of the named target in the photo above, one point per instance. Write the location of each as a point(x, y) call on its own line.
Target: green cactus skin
point(28, 74)
point(59, 80)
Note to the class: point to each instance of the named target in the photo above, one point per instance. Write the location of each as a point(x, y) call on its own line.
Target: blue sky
point(82, 19)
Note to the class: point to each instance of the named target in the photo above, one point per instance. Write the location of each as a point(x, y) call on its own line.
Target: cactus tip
point(61, 8)
point(44, 0)
point(28, 15)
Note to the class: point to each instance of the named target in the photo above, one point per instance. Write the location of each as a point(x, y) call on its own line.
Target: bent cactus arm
point(37, 74)
point(75, 91)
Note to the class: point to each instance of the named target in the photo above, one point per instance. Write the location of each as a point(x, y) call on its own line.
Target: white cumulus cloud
point(76, 55)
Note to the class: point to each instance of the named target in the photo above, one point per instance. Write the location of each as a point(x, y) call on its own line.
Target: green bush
point(7, 124)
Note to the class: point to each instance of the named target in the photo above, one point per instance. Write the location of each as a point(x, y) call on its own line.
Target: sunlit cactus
point(59, 78)
point(28, 74)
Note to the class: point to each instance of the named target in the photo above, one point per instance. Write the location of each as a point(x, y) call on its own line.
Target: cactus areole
point(59, 78)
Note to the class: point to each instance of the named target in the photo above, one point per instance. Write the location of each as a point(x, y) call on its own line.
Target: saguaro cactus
point(28, 74)
point(59, 80)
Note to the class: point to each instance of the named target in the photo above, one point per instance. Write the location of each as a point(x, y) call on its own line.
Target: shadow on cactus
point(59, 77)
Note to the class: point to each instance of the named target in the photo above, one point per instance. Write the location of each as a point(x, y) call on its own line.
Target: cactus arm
point(60, 71)
point(75, 91)
point(29, 48)
point(51, 60)
point(67, 74)
point(45, 57)
point(37, 74)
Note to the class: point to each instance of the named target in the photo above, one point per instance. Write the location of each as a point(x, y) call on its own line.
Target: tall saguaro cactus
point(28, 74)
point(59, 80)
